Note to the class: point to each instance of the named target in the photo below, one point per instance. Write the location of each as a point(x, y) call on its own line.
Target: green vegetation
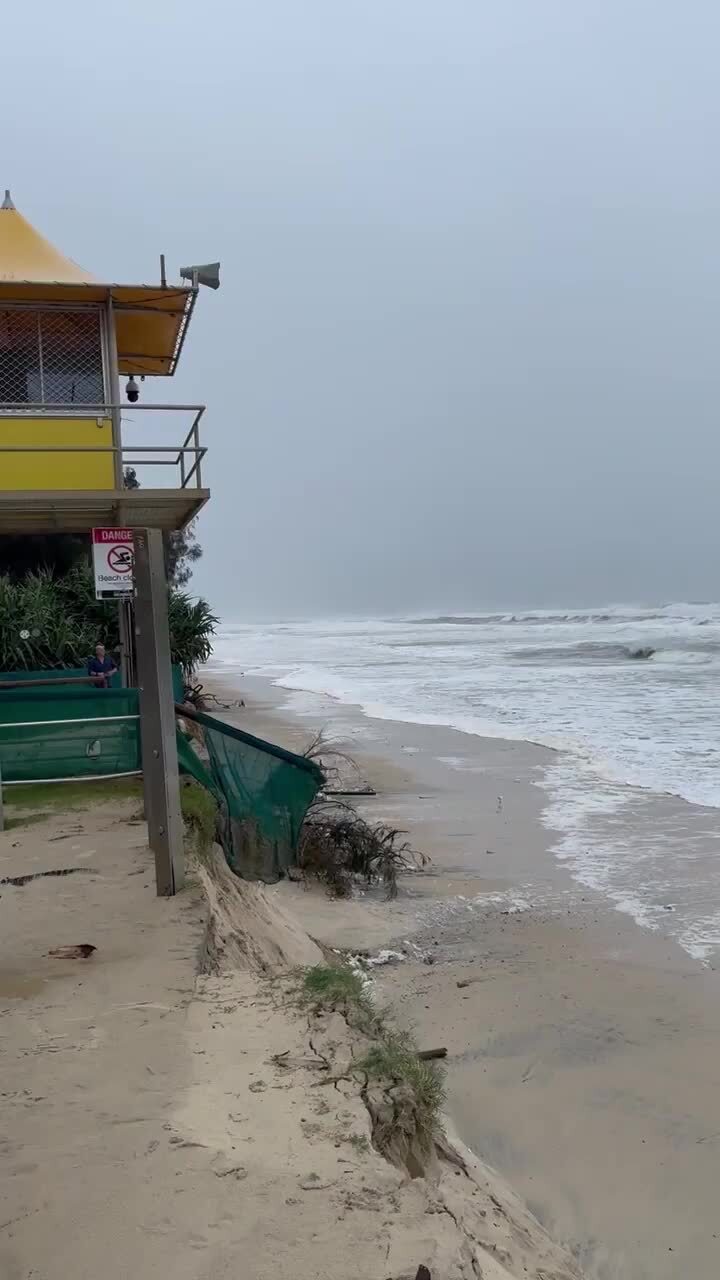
point(64, 622)
point(403, 1093)
point(338, 986)
point(394, 1058)
point(192, 626)
point(182, 551)
point(199, 810)
point(332, 985)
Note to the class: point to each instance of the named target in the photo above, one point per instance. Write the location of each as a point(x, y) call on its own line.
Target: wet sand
point(584, 1051)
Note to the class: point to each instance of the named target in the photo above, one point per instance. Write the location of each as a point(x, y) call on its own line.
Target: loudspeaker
point(207, 273)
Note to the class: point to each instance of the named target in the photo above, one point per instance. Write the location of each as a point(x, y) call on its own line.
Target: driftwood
point(19, 881)
point(81, 951)
point(363, 789)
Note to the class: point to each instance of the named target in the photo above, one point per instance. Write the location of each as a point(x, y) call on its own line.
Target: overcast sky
point(465, 352)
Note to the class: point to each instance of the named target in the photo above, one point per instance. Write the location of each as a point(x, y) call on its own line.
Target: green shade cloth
point(79, 731)
point(265, 793)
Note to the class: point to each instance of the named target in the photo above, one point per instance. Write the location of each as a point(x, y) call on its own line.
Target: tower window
point(50, 357)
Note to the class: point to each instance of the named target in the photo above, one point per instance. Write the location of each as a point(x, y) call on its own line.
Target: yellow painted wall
point(55, 470)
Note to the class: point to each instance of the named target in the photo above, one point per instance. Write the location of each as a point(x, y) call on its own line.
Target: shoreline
point(646, 816)
point(580, 1045)
point(583, 815)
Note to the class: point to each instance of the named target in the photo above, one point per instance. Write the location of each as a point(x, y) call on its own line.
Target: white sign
point(113, 560)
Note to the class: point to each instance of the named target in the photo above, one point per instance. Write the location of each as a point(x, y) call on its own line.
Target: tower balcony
point(60, 471)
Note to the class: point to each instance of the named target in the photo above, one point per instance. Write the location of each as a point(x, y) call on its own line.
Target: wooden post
point(161, 782)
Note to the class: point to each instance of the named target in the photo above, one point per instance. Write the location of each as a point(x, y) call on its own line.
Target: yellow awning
point(150, 320)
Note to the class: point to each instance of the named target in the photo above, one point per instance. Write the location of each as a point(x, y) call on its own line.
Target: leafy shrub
point(64, 622)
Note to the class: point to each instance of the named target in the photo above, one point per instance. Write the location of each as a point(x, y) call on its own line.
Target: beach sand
point(164, 1102)
point(584, 1051)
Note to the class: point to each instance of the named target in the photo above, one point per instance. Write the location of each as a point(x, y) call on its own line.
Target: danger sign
point(113, 559)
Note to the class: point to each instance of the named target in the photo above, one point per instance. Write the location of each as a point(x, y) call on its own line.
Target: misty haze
point(463, 355)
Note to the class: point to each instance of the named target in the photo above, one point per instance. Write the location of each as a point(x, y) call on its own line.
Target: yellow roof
point(150, 320)
point(26, 255)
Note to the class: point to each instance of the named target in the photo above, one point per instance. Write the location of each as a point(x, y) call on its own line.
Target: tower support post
point(157, 713)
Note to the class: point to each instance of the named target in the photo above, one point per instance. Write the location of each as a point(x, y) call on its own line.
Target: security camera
point(132, 390)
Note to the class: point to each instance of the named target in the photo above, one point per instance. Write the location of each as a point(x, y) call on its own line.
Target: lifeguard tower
point(66, 341)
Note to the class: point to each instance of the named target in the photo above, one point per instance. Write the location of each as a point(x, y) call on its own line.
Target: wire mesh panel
point(50, 357)
point(20, 380)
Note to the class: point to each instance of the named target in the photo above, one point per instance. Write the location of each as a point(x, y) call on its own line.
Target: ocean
point(628, 695)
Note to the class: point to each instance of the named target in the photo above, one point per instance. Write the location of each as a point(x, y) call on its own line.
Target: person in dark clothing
point(101, 667)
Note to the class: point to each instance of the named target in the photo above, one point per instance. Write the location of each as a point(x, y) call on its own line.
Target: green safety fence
point(264, 794)
point(64, 673)
point(55, 673)
point(72, 732)
point(79, 731)
point(53, 735)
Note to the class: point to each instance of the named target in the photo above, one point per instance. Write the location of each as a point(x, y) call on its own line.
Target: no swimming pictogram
point(120, 559)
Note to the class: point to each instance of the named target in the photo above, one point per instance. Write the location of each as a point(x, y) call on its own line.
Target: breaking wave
point(588, 651)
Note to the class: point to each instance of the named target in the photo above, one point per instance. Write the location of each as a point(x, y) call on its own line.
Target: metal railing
point(186, 458)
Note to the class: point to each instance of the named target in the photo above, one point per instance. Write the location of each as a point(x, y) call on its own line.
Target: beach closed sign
point(113, 561)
